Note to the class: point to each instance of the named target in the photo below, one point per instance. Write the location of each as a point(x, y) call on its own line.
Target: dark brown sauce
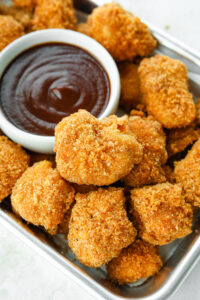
point(51, 81)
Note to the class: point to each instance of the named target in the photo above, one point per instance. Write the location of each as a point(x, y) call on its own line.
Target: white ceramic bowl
point(43, 144)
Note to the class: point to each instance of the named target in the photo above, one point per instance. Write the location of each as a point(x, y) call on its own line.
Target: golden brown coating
point(138, 261)
point(28, 4)
point(10, 30)
point(179, 139)
point(93, 152)
point(149, 133)
point(187, 173)
point(120, 32)
point(130, 85)
point(13, 162)
point(164, 88)
point(42, 197)
point(83, 28)
point(54, 14)
point(198, 111)
point(19, 14)
point(99, 227)
point(161, 213)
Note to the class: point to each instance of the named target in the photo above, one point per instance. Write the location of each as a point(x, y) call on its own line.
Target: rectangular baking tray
point(179, 257)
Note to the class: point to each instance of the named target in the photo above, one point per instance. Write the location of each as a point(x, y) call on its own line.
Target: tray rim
point(180, 272)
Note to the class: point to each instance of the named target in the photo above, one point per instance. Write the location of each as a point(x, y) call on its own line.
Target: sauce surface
point(49, 82)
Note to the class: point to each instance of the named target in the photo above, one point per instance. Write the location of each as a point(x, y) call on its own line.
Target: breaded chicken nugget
point(99, 227)
point(120, 32)
point(10, 30)
point(13, 162)
point(187, 172)
point(149, 133)
point(54, 14)
point(28, 4)
point(83, 28)
point(130, 85)
point(161, 213)
point(179, 139)
point(164, 87)
point(42, 197)
point(19, 14)
point(139, 260)
point(89, 151)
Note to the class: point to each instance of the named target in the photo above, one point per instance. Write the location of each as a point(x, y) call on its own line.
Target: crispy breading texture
point(120, 32)
point(99, 227)
point(42, 197)
point(187, 172)
point(93, 152)
point(130, 85)
point(179, 139)
point(164, 88)
point(54, 14)
point(149, 133)
point(19, 14)
point(161, 213)
point(10, 30)
point(138, 261)
point(13, 162)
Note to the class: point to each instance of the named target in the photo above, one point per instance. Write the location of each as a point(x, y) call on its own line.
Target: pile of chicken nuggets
point(114, 187)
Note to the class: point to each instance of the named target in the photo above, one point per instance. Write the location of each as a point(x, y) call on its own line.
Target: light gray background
point(26, 276)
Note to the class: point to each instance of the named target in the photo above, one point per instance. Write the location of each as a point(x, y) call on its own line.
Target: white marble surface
point(26, 276)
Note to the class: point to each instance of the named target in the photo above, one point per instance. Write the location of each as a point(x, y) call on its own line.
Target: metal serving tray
point(179, 256)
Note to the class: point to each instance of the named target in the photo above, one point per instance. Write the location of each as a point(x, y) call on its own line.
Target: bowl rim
point(45, 144)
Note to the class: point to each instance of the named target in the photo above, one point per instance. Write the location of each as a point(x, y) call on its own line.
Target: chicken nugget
point(149, 133)
point(130, 85)
point(10, 30)
point(99, 227)
point(179, 139)
point(21, 15)
point(161, 213)
point(138, 261)
point(42, 197)
point(120, 32)
point(54, 14)
point(164, 88)
point(13, 162)
point(93, 152)
point(187, 173)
